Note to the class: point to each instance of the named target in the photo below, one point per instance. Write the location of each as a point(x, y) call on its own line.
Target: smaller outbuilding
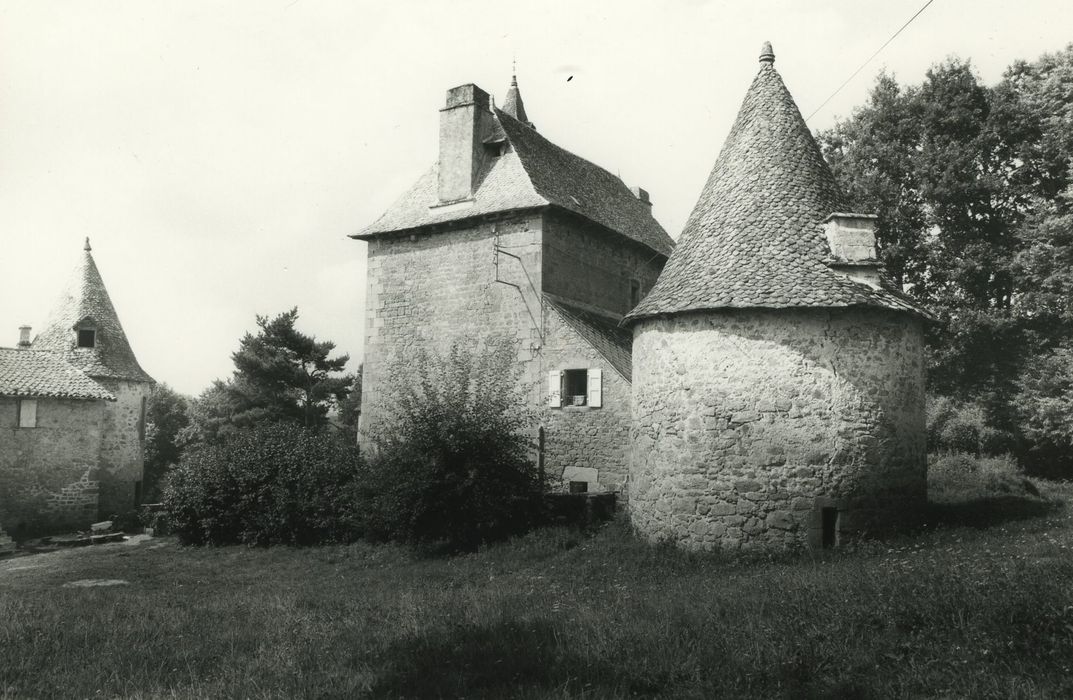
point(72, 415)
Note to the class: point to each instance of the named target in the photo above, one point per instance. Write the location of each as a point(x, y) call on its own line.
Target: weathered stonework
point(583, 443)
point(747, 424)
point(48, 475)
point(585, 263)
point(426, 291)
point(122, 462)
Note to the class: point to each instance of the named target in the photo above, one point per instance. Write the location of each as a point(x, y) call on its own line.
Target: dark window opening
point(579, 487)
point(87, 338)
point(141, 420)
point(575, 387)
point(635, 292)
point(830, 527)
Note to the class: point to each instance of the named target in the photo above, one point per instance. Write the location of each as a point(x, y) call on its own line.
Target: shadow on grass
point(493, 661)
point(988, 511)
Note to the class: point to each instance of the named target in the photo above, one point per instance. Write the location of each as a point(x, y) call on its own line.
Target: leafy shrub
point(1044, 407)
point(957, 476)
point(954, 426)
point(453, 464)
point(273, 484)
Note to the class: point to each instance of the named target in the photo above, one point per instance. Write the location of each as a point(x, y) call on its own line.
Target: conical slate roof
point(85, 304)
point(513, 104)
point(755, 238)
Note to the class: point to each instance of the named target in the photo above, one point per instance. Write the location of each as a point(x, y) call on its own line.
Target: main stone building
point(761, 385)
point(510, 236)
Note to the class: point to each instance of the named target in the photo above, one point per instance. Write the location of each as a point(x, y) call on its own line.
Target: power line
point(892, 38)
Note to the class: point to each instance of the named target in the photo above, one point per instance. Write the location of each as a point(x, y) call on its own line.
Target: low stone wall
point(776, 428)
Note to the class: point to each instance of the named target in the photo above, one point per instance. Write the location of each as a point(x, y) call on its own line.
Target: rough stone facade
point(587, 264)
point(122, 446)
point(750, 427)
point(581, 443)
point(427, 290)
point(48, 474)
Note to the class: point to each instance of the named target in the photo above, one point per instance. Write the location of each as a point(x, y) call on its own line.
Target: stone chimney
point(24, 336)
point(852, 240)
point(641, 194)
point(464, 124)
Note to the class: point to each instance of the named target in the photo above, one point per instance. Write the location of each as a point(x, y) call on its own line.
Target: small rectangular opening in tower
point(579, 487)
point(830, 527)
point(87, 338)
point(635, 292)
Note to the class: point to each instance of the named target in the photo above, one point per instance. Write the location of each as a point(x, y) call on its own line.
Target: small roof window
point(87, 338)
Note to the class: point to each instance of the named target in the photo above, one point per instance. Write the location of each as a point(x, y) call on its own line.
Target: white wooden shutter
point(596, 388)
point(555, 389)
point(28, 413)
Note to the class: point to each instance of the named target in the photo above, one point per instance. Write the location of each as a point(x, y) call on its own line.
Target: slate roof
point(85, 300)
point(755, 238)
point(36, 374)
point(604, 334)
point(533, 173)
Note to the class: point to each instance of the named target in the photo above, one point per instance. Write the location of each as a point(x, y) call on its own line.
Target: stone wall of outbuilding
point(754, 427)
point(48, 473)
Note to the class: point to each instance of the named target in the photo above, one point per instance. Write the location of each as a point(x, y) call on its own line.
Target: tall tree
point(284, 374)
point(166, 416)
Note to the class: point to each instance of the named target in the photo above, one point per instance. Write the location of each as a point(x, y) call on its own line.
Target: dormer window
point(87, 338)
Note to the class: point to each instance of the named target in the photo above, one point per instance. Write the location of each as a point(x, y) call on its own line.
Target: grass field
point(955, 611)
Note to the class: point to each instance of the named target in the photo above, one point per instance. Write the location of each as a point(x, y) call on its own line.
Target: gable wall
point(48, 474)
point(586, 263)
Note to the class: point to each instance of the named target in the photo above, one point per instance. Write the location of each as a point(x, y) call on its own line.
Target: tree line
point(972, 185)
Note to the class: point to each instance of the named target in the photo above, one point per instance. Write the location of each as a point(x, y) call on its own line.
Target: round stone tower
point(778, 377)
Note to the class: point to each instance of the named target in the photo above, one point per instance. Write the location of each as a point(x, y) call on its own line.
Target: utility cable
point(892, 38)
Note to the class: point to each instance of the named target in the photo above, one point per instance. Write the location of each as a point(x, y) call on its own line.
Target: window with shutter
point(555, 389)
point(595, 387)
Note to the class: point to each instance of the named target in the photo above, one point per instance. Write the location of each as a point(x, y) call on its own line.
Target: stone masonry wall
point(122, 464)
point(585, 263)
point(427, 290)
point(748, 424)
point(582, 443)
point(48, 474)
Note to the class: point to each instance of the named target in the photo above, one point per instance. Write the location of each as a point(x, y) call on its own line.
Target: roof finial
point(87, 247)
point(766, 54)
point(514, 71)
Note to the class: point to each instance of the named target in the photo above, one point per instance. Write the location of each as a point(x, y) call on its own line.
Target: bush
point(959, 477)
point(1044, 408)
point(453, 466)
point(953, 426)
point(273, 484)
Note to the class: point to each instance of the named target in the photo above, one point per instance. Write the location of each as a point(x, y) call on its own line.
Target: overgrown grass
point(950, 612)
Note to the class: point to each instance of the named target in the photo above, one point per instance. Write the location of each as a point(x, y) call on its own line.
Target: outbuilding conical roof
point(755, 238)
point(85, 305)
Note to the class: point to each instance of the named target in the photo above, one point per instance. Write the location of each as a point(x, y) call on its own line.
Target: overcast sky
point(218, 154)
